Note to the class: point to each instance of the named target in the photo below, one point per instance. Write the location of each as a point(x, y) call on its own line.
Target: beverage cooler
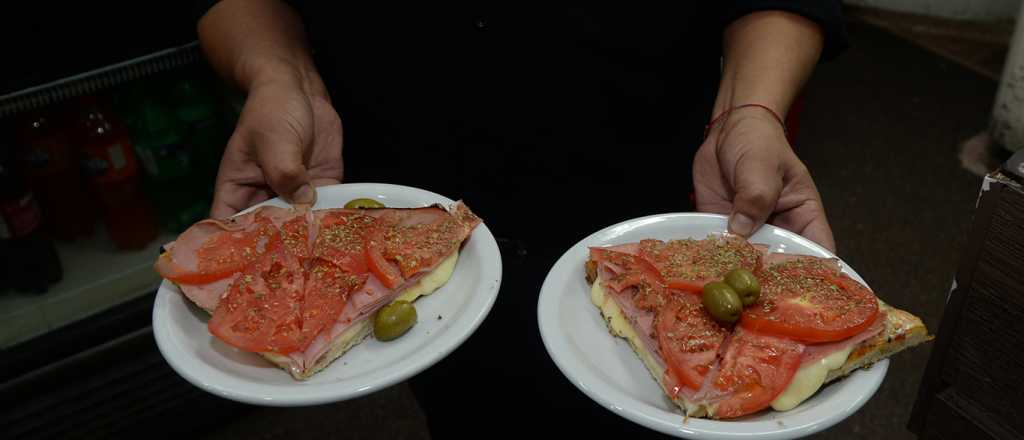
point(111, 131)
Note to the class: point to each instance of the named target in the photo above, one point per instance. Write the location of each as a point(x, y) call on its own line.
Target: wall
point(960, 9)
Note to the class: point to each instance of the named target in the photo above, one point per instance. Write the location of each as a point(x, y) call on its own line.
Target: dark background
point(880, 131)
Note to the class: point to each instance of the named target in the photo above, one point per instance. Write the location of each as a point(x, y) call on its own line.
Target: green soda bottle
point(161, 147)
point(197, 107)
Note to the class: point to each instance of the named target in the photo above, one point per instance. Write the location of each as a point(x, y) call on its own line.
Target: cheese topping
point(808, 379)
point(433, 280)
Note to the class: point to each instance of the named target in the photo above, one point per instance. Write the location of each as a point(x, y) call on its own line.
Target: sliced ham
point(816, 352)
point(208, 295)
point(183, 260)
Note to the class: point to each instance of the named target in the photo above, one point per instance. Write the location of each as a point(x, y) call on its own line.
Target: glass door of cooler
point(103, 179)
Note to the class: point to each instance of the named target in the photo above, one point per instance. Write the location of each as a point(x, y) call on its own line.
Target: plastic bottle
point(113, 174)
point(50, 168)
point(30, 259)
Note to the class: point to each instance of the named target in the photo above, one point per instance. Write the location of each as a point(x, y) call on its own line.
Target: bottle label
point(45, 157)
point(19, 217)
point(109, 163)
point(166, 161)
point(116, 154)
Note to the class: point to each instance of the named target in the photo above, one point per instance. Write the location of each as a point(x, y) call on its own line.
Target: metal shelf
point(96, 277)
point(98, 80)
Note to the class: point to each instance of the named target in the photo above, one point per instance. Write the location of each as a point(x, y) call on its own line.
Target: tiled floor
point(880, 133)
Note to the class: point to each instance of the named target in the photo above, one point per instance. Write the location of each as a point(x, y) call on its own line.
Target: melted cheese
point(807, 380)
point(431, 281)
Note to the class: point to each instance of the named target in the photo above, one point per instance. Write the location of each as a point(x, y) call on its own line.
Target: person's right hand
point(287, 141)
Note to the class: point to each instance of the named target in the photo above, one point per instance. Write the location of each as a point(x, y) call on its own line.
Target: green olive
point(722, 302)
point(363, 204)
point(745, 284)
point(393, 320)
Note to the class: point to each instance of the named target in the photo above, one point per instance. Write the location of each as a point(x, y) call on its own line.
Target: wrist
point(253, 72)
point(734, 114)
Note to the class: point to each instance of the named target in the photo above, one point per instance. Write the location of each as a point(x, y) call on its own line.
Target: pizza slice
point(302, 288)
point(810, 325)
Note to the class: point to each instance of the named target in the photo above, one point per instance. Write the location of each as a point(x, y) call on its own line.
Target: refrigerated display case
point(78, 359)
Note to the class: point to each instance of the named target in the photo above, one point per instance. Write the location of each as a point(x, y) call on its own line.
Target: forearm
point(767, 58)
point(252, 41)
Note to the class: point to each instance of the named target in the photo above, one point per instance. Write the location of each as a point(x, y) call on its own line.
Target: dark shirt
point(518, 108)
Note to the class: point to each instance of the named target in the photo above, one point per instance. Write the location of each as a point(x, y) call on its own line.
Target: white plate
point(607, 370)
point(446, 318)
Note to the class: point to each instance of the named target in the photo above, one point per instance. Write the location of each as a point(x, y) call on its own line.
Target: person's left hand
point(747, 170)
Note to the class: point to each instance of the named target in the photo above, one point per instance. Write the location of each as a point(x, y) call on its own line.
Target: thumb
point(757, 183)
point(286, 173)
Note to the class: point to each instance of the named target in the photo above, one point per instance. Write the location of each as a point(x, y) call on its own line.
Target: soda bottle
point(30, 260)
point(113, 174)
point(196, 107)
point(50, 168)
point(160, 142)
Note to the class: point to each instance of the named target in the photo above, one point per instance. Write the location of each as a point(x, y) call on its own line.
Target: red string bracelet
point(714, 121)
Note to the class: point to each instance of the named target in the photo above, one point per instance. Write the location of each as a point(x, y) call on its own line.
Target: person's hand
point(286, 142)
point(747, 170)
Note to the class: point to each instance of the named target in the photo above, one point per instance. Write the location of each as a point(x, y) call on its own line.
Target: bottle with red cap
point(30, 260)
point(112, 172)
point(50, 168)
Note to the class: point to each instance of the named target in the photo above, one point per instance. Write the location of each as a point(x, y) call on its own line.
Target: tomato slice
point(690, 264)
point(386, 272)
point(209, 251)
point(262, 309)
point(418, 239)
point(631, 270)
point(326, 294)
point(754, 370)
point(809, 300)
point(341, 238)
point(688, 339)
point(228, 252)
point(295, 236)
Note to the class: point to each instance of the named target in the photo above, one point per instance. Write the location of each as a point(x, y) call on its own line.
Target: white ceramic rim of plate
point(210, 380)
point(659, 419)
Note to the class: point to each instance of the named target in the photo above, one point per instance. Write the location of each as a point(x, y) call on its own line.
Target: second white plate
point(606, 369)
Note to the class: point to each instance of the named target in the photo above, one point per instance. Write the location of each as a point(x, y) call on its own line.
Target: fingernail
point(305, 194)
point(741, 224)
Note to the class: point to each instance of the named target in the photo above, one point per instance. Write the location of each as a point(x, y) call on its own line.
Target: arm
point(767, 58)
point(746, 167)
point(288, 137)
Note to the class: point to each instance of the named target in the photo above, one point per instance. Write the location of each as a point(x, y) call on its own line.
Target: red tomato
point(262, 310)
point(690, 264)
point(295, 236)
point(809, 300)
point(327, 291)
point(341, 239)
point(386, 272)
point(224, 253)
point(632, 270)
point(754, 370)
point(418, 239)
point(688, 339)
